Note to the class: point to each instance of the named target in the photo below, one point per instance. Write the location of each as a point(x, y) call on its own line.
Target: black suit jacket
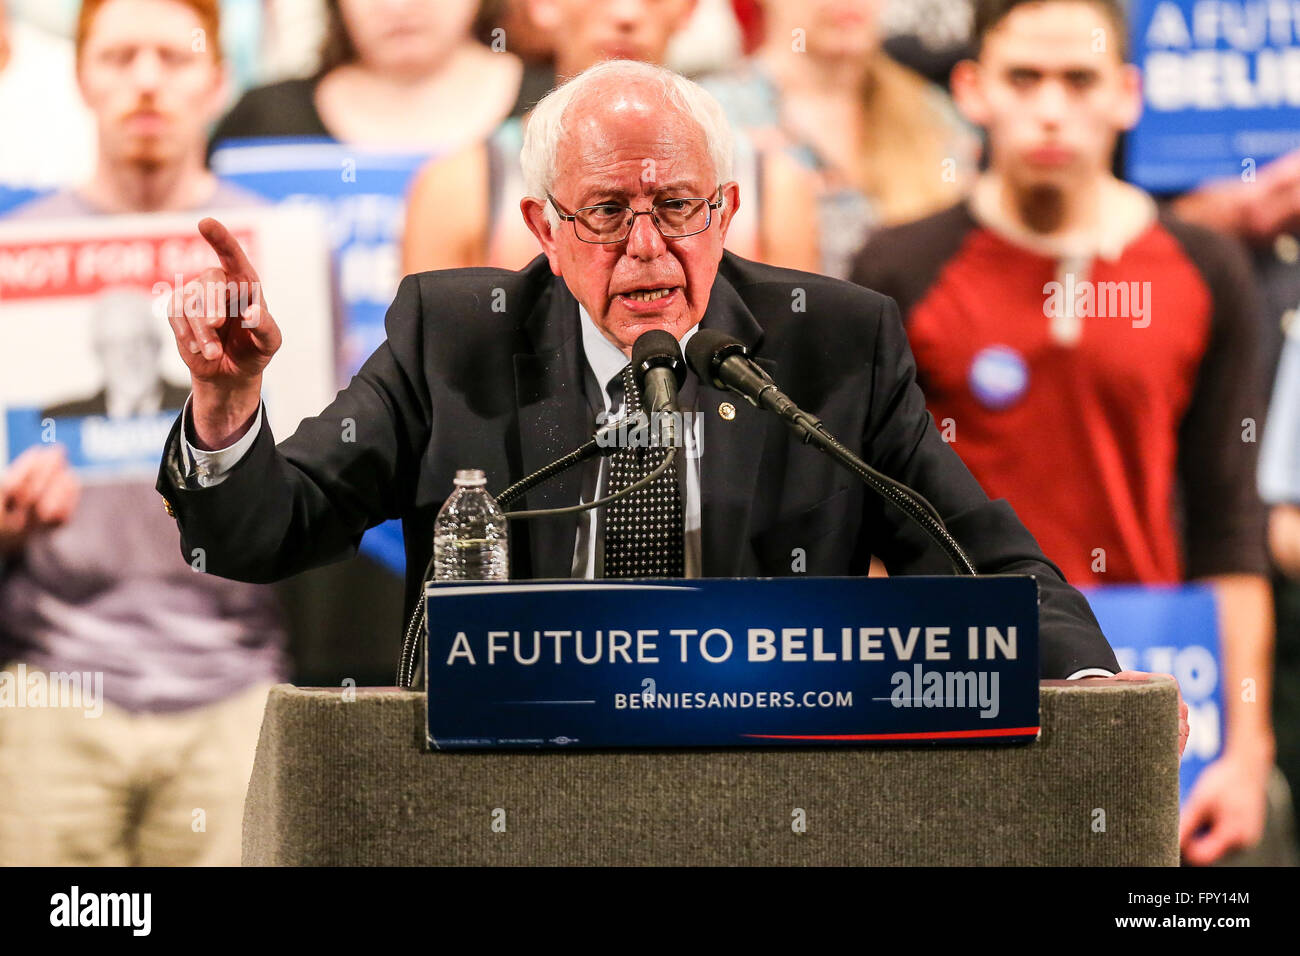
point(483, 368)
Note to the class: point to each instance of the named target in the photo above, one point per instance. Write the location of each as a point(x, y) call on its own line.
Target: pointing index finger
point(227, 248)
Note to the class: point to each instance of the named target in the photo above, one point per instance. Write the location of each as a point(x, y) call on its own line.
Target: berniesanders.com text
point(740, 700)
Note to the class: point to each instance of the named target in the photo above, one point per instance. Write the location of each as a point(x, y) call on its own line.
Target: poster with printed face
point(88, 360)
point(1220, 89)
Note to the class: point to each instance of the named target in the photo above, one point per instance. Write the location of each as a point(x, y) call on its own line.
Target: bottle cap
point(470, 478)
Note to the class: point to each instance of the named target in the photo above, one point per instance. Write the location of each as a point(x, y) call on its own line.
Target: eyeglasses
point(611, 222)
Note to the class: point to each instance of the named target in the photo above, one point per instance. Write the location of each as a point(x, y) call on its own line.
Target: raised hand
point(225, 345)
point(216, 340)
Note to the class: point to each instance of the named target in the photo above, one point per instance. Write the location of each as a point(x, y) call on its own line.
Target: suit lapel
point(553, 420)
point(732, 448)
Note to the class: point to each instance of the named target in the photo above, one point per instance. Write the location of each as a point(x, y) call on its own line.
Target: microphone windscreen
point(706, 349)
point(657, 349)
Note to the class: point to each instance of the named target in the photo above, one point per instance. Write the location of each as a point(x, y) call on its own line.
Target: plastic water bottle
point(470, 536)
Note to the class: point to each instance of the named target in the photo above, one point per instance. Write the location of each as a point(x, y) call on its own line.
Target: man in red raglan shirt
point(1092, 359)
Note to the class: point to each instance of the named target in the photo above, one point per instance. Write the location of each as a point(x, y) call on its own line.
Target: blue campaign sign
point(11, 198)
point(362, 195)
point(97, 446)
point(733, 663)
point(1221, 89)
point(1172, 630)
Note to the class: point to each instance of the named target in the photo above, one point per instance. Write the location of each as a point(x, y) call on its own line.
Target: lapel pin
point(727, 411)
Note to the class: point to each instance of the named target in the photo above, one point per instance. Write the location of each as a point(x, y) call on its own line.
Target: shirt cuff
point(1091, 672)
point(209, 468)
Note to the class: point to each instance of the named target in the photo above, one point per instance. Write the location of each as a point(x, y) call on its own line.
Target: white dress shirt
point(209, 468)
point(606, 362)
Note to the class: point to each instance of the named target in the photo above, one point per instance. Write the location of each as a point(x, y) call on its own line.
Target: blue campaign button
point(999, 376)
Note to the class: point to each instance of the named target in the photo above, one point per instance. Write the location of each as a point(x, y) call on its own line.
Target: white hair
point(545, 127)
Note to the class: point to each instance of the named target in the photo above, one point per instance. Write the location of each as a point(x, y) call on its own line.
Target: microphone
point(660, 372)
point(724, 362)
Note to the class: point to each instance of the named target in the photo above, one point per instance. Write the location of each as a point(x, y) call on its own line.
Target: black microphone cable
point(657, 363)
point(411, 639)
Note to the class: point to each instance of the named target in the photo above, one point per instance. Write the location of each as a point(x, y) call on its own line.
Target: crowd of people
point(962, 163)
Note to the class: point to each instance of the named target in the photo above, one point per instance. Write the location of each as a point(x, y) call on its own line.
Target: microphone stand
point(910, 502)
point(576, 457)
point(710, 352)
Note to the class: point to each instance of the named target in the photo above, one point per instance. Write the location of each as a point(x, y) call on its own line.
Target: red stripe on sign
point(936, 735)
point(83, 266)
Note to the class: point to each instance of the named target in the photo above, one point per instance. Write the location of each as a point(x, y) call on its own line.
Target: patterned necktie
point(643, 531)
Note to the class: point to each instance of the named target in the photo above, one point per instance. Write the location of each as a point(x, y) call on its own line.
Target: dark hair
point(989, 13)
point(336, 48)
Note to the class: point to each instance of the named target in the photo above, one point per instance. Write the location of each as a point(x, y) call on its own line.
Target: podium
point(342, 777)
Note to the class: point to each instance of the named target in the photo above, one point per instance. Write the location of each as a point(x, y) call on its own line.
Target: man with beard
point(1092, 359)
point(630, 193)
point(90, 580)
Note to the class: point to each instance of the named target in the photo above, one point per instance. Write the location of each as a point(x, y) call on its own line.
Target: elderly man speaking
point(629, 171)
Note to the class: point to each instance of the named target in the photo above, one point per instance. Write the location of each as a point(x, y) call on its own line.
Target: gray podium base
point(349, 782)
